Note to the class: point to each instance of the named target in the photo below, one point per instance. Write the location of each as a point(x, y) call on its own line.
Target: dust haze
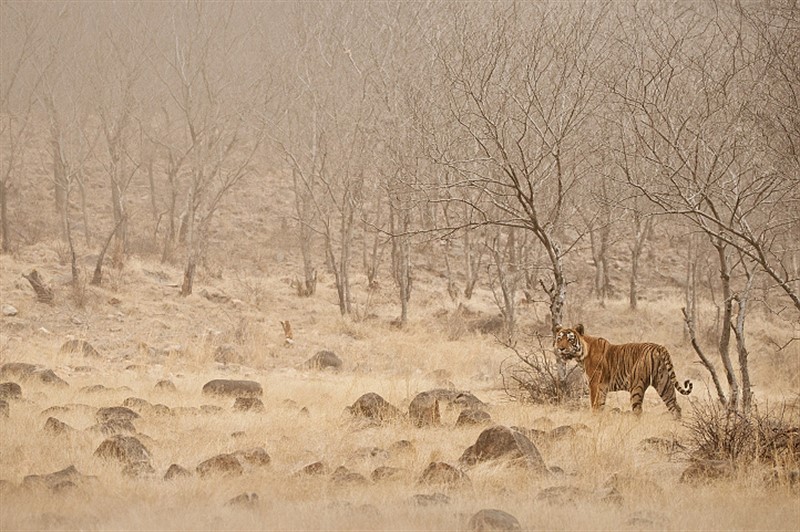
point(300, 265)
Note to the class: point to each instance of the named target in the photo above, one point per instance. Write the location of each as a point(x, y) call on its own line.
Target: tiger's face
point(568, 343)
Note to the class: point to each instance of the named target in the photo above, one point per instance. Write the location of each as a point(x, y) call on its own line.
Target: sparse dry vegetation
point(297, 266)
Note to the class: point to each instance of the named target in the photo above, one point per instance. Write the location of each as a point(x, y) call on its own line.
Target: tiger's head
point(568, 344)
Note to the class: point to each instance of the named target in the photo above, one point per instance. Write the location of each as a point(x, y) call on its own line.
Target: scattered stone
point(125, 449)
point(707, 470)
point(388, 473)
point(64, 486)
point(115, 413)
point(227, 354)
point(76, 408)
point(314, 469)
point(661, 445)
point(140, 469)
point(211, 409)
point(51, 480)
point(160, 410)
point(493, 520)
point(257, 456)
point(186, 411)
point(95, 388)
point(459, 399)
point(373, 406)
point(563, 495)
point(137, 404)
point(233, 388)
point(48, 376)
point(176, 471)
point(342, 475)
point(238, 434)
point(17, 369)
point(222, 464)
point(166, 386)
point(215, 297)
point(441, 473)
point(57, 427)
point(248, 404)
point(370, 453)
point(473, 416)
point(25, 371)
point(113, 427)
point(566, 431)
point(248, 500)
point(500, 442)
point(632, 484)
point(402, 447)
point(79, 346)
point(9, 310)
point(4, 408)
point(10, 390)
point(424, 410)
point(535, 435)
point(642, 519)
point(324, 360)
point(432, 499)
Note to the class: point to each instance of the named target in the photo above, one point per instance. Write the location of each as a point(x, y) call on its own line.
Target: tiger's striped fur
point(621, 367)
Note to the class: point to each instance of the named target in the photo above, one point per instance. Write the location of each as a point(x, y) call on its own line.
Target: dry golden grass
point(377, 358)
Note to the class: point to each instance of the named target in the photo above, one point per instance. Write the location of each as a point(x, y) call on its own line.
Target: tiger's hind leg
point(666, 389)
point(637, 396)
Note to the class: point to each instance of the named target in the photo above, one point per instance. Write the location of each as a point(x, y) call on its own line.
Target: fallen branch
point(44, 294)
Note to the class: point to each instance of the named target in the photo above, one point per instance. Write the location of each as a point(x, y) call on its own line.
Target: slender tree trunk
point(688, 321)
point(401, 260)
point(4, 232)
point(472, 261)
point(738, 331)
point(61, 185)
point(641, 230)
point(97, 277)
point(725, 329)
point(191, 243)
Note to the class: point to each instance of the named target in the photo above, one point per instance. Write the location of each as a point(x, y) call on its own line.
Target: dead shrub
point(531, 376)
point(769, 436)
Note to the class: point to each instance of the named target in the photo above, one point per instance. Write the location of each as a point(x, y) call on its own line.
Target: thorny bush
point(768, 435)
point(531, 375)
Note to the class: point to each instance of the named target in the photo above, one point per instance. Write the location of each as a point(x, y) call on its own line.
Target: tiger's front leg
point(597, 395)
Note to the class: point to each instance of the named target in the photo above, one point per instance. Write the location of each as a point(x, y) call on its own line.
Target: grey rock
point(493, 520)
point(233, 388)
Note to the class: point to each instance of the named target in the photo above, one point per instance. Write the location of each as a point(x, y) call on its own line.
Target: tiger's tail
point(686, 389)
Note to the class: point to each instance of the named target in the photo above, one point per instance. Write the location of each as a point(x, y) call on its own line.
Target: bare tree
point(217, 139)
point(118, 62)
point(323, 134)
point(691, 102)
point(18, 86)
point(520, 110)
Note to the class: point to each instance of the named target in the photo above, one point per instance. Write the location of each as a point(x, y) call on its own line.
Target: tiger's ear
point(558, 328)
point(579, 328)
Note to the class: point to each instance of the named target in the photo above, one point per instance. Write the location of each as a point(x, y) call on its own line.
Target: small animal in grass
point(288, 340)
point(621, 367)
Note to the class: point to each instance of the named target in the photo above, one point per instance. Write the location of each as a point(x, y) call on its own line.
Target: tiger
point(621, 367)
